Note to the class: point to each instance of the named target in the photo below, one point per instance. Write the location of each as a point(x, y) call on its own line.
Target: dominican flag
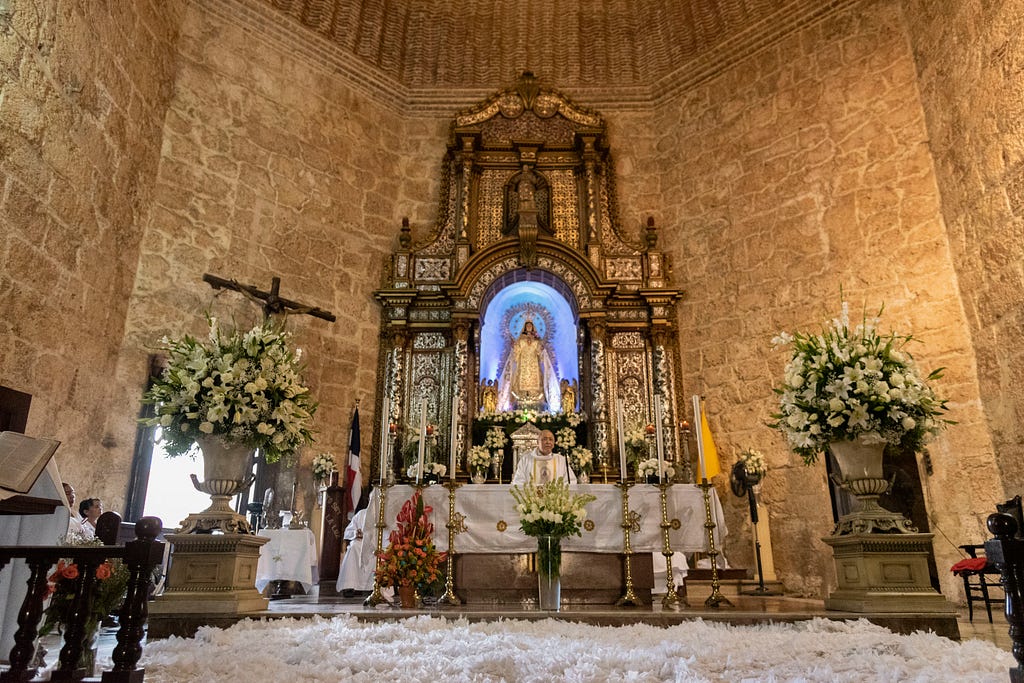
point(352, 475)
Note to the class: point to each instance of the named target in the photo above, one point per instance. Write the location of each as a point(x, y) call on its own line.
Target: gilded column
point(460, 402)
point(599, 390)
point(393, 385)
point(664, 385)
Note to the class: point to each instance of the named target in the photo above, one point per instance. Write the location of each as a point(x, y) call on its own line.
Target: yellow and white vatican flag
point(707, 455)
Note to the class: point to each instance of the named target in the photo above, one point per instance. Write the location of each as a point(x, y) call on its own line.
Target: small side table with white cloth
point(290, 555)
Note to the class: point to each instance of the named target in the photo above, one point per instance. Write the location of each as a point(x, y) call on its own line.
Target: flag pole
point(716, 599)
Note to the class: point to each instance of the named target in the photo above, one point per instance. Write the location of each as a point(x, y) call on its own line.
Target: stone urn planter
point(226, 466)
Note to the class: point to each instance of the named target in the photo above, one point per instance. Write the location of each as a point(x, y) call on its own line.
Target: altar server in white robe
point(541, 465)
point(353, 574)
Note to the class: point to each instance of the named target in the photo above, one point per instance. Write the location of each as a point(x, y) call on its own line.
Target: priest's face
point(545, 442)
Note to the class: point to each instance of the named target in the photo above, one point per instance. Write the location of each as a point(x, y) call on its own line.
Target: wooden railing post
point(141, 556)
point(74, 631)
point(1007, 553)
point(28, 623)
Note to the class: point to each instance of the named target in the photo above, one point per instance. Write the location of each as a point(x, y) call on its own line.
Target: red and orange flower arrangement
point(108, 594)
point(411, 560)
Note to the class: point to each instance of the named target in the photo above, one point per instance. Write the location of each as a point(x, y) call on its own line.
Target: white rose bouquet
point(323, 465)
point(495, 439)
point(847, 383)
point(429, 469)
point(565, 438)
point(479, 458)
point(581, 459)
point(649, 468)
point(754, 462)
point(245, 386)
point(636, 444)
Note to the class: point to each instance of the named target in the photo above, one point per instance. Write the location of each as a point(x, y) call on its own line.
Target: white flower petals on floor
point(427, 649)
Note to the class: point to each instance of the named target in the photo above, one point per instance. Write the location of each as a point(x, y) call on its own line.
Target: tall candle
point(423, 438)
point(619, 407)
point(295, 487)
point(453, 440)
point(659, 411)
point(384, 436)
point(698, 422)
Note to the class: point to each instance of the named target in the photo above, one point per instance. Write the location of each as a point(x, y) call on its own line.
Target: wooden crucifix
point(271, 301)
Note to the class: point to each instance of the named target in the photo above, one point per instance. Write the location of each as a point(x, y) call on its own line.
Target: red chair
point(977, 574)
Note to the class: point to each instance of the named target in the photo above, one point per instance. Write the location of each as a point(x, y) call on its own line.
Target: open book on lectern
point(22, 459)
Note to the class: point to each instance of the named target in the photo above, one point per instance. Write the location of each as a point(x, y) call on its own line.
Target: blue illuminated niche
point(552, 316)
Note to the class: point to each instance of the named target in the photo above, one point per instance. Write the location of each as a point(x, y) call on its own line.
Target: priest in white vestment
point(541, 466)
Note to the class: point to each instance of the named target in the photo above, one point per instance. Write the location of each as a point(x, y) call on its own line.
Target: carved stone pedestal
point(884, 573)
point(212, 574)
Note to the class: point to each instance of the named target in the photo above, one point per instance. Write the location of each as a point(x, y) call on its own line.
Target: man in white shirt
point(540, 466)
point(90, 509)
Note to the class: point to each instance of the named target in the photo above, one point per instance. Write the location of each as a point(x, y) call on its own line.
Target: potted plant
point(230, 394)
point(411, 562)
point(855, 391)
point(549, 513)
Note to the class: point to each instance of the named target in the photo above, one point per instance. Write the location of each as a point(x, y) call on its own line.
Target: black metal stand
point(760, 590)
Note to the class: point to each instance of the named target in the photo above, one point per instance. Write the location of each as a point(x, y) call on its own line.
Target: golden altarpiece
point(527, 237)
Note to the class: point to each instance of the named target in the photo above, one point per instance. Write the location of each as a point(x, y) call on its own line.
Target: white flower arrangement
point(479, 458)
point(524, 416)
point(550, 510)
point(495, 439)
point(636, 444)
point(429, 468)
point(754, 462)
point(844, 384)
point(581, 459)
point(323, 465)
point(246, 387)
point(565, 438)
point(649, 468)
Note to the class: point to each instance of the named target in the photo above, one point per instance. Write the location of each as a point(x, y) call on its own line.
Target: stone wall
point(83, 90)
point(970, 57)
point(800, 172)
point(273, 166)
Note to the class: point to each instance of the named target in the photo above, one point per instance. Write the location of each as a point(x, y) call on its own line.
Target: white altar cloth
point(289, 555)
point(492, 525)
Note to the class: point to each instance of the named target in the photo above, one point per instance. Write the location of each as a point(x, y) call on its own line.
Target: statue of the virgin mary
point(528, 380)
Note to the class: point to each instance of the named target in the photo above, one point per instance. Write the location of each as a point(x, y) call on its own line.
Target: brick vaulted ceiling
point(639, 49)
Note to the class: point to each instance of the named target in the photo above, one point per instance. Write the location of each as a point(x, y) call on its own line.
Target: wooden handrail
point(140, 557)
point(1007, 553)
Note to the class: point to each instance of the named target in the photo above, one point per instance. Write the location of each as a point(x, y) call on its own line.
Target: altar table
point(290, 555)
point(492, 524)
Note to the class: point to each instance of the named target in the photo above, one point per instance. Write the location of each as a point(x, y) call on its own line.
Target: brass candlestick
point(716, 599)
point(376, 597)
point(456, 525)
point(630, 523)
point(671, 600)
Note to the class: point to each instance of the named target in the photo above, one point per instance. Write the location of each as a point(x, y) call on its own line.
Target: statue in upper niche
point(527, 194)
